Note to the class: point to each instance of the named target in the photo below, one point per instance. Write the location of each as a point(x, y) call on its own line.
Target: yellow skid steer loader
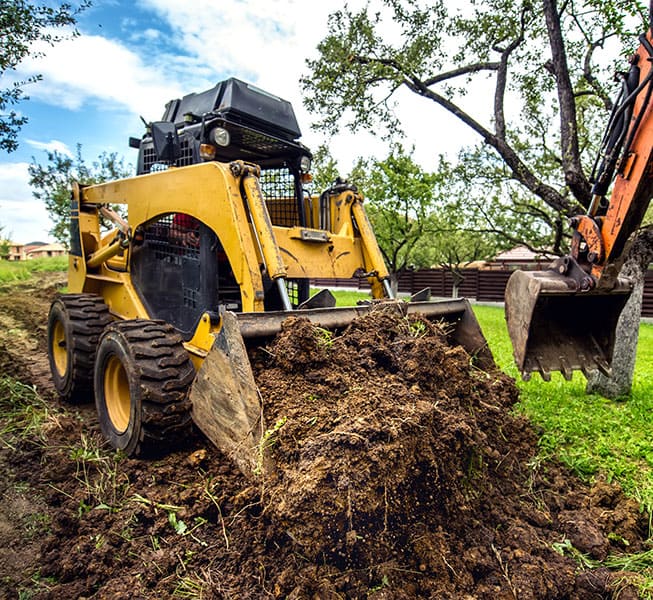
point(218, 247)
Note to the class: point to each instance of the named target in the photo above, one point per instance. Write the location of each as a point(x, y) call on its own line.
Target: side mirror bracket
point(166, 141)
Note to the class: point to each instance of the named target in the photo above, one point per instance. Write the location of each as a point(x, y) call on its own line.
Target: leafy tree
point(52, 182)
point(399, 198)
point(21, 25)
point(552, 103)
point(415, 218)
point(324, 169)
point(5, 244)
point(540, 129)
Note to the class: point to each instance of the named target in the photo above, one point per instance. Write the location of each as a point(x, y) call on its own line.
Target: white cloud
point(23, 217)
point(92, 68)
point(51, 146)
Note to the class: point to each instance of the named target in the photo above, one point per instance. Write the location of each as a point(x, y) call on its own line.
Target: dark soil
point(400, 471)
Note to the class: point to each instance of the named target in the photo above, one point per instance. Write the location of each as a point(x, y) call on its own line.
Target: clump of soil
point(399, 470)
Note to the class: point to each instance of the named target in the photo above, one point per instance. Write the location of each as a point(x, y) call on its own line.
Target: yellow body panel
point(207, 192)
point(226, 198)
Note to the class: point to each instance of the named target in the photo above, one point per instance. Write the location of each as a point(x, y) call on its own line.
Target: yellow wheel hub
point(116, 394)
point(59, 348)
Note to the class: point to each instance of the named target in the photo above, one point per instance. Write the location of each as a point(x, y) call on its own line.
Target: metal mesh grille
point(186, 157)
point(173, 237)
point(152, 164)
point(293, 291)
point(149, 158)
point(278, 187)
point(190, 297)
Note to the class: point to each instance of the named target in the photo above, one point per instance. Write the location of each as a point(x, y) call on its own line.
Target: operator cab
point(231, 121)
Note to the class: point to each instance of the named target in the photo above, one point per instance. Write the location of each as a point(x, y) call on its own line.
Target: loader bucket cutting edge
point(555, 328)
point(226, 405)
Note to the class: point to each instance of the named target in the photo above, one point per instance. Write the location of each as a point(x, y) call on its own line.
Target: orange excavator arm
point(564, 318)
point(628, 150)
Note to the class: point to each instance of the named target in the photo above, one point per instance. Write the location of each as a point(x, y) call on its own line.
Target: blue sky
point(132, 57)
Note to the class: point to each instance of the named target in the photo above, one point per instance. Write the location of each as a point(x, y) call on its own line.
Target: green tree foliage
point(416, 218)
point(21, 25)
point(51, 182)
point(537, 127)
point(400, 196)
point(5, 244)
point(324, 169)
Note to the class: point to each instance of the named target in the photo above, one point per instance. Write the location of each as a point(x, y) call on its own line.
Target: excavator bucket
point(554, 327)
point(226, 404)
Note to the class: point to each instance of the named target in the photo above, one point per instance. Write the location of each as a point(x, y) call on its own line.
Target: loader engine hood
point(253, 125)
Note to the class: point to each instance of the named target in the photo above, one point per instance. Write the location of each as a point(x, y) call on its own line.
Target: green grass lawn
point(23, 269)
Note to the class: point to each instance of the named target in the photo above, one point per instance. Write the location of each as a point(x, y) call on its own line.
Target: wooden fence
point(479, 284)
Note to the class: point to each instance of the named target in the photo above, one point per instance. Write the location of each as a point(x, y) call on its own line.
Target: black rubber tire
point(142, 378)
point(75, 323)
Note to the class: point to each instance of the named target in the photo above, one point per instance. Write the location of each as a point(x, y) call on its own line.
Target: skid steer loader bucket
point(226, 404)
point(554, 327)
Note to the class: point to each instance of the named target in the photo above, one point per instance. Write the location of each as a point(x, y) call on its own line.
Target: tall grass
point(23, 269)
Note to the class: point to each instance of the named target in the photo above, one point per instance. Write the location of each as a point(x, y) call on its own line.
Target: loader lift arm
point(564, 318)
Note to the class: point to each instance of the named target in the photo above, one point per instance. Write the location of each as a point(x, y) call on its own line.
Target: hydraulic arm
point(564, 319)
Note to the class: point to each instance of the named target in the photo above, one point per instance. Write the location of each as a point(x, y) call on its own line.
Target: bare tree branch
point(466, 70)
point(588, 74)
point(502, 78)
point(574, 175)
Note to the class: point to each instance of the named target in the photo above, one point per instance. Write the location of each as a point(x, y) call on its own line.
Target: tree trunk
point(619, 384)
point(458, 278)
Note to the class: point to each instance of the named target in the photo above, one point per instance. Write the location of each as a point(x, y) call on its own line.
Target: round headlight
point(305, 164)
point(221, 136)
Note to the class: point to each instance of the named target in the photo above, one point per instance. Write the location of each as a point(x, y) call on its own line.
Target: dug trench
point(400, 470)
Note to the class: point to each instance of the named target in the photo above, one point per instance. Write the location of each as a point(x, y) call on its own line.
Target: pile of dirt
point(398, 459)
point(399, 471)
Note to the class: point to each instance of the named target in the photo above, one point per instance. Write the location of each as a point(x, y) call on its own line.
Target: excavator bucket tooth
point(553, 327)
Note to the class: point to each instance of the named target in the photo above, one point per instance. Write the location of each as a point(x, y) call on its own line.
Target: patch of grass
point(23, 413)
point(98, 474)
point(347, 297)
point(24, 269)
point(590, 434)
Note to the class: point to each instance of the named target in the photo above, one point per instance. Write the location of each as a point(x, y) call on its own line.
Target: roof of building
point(521, 253)
point(55, 247)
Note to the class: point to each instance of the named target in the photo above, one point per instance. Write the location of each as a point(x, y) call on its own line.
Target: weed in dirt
point(266, 442)
point(414, 327)
point(25, 414)
point(324, 337)
point(97, 472)
point(197, 586)
point(36, 524)
point(638, 562)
